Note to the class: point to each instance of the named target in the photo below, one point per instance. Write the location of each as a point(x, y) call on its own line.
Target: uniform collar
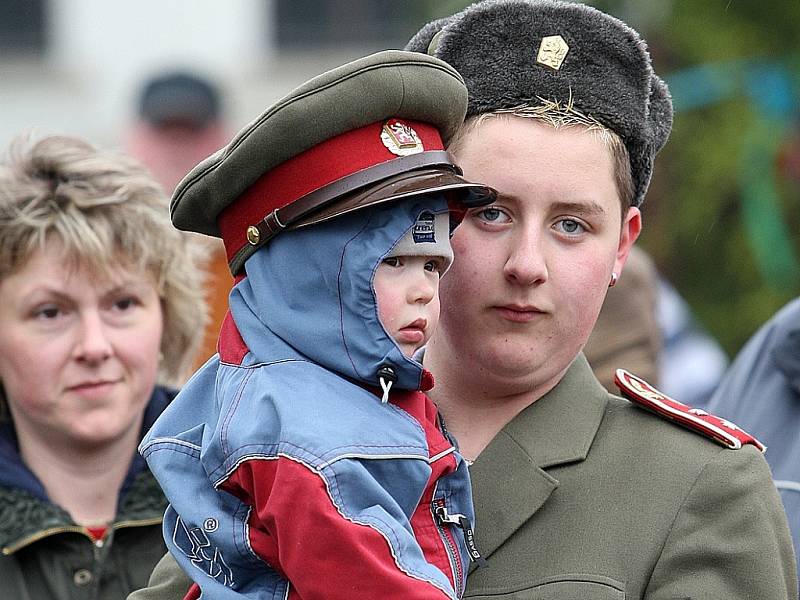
point(509, 479)
point(560, 426)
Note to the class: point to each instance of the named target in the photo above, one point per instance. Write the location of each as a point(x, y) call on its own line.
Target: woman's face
point(78, 353)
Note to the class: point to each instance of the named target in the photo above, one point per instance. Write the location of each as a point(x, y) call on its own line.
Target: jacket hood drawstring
point(386, 377)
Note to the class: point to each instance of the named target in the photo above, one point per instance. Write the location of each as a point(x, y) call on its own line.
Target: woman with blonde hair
point(100, 308)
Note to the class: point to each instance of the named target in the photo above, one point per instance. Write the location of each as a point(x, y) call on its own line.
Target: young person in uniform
point(304, 461)
point(578, 493)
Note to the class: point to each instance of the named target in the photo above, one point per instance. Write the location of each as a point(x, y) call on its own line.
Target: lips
point(417, 324)
point(91, 384)
point(93, 388)
point(519, 313)
point(414, 332)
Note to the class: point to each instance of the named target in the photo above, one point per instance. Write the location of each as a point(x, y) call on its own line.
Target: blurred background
point(722, 215)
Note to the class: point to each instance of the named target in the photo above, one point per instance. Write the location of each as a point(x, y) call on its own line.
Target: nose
point(526, 263)
point(422, 288)
point(93, 345)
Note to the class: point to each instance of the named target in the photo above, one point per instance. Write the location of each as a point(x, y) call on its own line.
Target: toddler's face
point(407, 293)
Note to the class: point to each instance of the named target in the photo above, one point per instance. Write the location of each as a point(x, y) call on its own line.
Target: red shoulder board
point(724, 432)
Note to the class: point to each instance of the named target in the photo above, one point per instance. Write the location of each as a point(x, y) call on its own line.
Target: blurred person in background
point(180, 120)
point(761, 392)
point(646, 327)
point(627, 333)
point(692, 362)
point(761, 389)
point(99, 302)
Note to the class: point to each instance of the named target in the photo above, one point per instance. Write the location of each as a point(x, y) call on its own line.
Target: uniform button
point(82, 577)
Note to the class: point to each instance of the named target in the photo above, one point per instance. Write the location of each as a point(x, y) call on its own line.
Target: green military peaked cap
point(515, 53)
point(370, 131)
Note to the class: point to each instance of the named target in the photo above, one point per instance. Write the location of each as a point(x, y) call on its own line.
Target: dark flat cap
point(515, 53)
point(367, 132)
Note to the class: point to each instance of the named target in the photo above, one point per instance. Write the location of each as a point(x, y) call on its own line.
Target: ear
point(631, 228)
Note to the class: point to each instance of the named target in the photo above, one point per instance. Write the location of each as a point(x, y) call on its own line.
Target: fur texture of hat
point(606, 73)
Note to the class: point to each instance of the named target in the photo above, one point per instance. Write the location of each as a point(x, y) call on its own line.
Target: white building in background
point(76, 66)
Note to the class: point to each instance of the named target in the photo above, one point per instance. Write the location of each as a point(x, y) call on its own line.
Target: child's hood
point(309, 292)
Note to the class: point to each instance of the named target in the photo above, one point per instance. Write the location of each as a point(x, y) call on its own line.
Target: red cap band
point(309, 171)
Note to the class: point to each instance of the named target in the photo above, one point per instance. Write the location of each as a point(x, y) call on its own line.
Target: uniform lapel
point(507, 487)
point(509, 480)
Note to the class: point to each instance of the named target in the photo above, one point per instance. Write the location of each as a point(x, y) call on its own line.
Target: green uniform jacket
point(584, 496)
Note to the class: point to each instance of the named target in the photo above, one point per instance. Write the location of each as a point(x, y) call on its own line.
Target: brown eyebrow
point(126, 286)
point(581, 208)
point(45, 289)
point(499, 199)
point(589, 208)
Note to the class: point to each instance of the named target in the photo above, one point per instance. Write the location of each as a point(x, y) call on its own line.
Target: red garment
point(97, 533)
point(294, 521)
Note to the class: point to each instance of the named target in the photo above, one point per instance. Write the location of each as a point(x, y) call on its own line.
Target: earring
point(614, 279)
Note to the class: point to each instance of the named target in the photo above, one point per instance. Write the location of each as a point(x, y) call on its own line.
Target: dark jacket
point(46, 556)
point(761, 393)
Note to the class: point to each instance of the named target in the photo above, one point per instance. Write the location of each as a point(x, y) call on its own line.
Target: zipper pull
point(463, 523)
point(386, 377)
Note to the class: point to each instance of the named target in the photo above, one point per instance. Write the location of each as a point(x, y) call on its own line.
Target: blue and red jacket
point(287, 475)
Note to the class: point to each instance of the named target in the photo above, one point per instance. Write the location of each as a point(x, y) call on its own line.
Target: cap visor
point(405, 185)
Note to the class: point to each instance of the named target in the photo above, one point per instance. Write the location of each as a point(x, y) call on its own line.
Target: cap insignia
point(400, 139)
point(552, 51)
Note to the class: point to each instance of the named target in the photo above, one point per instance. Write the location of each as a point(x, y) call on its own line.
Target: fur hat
point(514, 53)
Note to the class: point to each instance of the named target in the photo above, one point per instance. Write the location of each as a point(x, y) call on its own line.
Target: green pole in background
point(761, 211)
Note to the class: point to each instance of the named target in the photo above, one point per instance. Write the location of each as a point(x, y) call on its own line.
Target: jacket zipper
point(440, 517)
point(7, 550)
point(40, 535)
point(463, 523)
